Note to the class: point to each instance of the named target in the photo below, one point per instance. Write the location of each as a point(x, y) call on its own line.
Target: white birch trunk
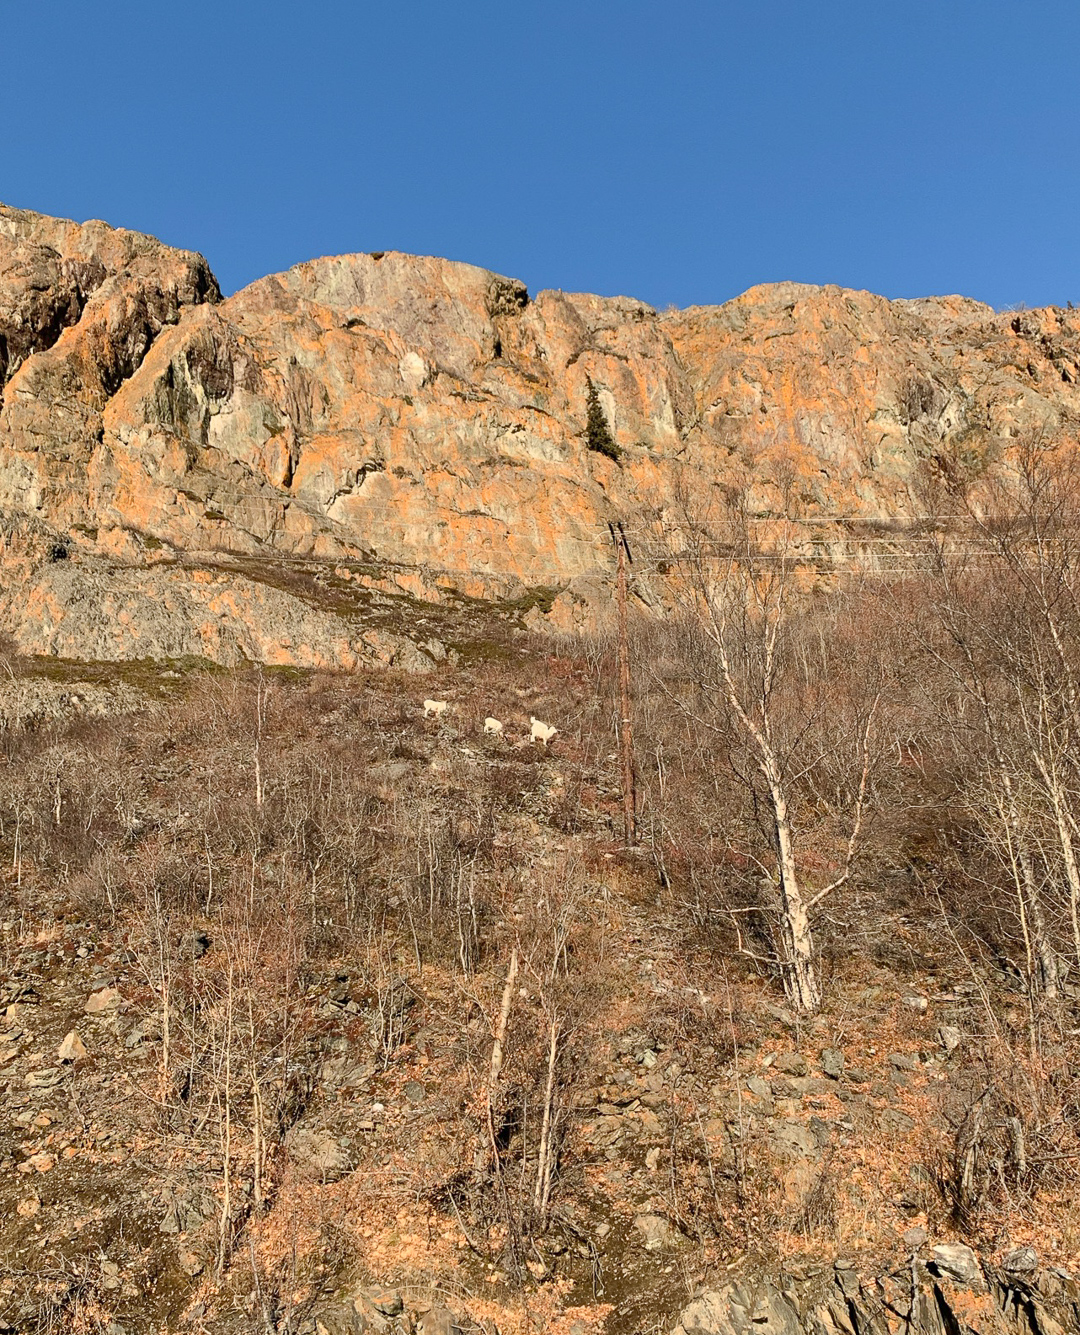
point(800, 973)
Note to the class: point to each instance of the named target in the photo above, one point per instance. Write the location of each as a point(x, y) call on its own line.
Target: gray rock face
point(80, 307)
point(954, 1295)
point(56, 274)
point(739, 1309)
point(32, 702)
point(92, 611)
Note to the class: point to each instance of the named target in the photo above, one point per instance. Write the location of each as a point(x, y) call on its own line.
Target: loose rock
point(957, 1262)
point(101, 1002)
point(72, 1049)
point(832, 1063)
point(791, 1063)
point(657, 1232)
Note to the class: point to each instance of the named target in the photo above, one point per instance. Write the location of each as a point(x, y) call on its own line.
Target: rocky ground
point(249, 1003)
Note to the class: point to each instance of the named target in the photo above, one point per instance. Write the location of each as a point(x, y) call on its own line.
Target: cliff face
point(396, 424)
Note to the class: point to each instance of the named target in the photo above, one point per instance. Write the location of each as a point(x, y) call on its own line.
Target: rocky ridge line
point(412, 431)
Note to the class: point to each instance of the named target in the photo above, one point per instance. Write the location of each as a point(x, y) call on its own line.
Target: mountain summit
point(275, 476)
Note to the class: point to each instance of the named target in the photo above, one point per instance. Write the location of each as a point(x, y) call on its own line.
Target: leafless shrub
point(818, 1211)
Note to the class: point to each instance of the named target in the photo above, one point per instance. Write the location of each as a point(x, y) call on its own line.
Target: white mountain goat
point(541, 732)
point(435, 708)
point(492, 727)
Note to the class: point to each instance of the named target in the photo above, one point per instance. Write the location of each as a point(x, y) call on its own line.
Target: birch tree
point(765, 676)
point(1006, 592)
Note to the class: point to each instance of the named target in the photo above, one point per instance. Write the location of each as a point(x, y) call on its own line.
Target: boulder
point(194, 944)
point(957, 1262)
point(950, 1038)
point(103, 1001)
point(319, 1152)
point(72, 1049)
point(657, 1234)
point(791, 1063)
point(386, 1301)
point(832, 1063)
point(437, 1321)
point(1020, 1263)
point(794, 1140)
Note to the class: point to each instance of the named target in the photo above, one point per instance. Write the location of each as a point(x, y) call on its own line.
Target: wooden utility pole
point(626, 731)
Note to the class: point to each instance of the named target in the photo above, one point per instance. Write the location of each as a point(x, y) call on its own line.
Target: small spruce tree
point(598, 435)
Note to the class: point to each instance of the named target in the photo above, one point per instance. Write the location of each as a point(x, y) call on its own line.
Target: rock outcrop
point(418, 426)
point(948, 1293)
point(31, 703)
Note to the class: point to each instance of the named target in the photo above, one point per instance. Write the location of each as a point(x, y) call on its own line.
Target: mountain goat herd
point(539, 731)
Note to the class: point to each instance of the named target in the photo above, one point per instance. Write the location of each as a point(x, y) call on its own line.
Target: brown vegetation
point(393, 1000)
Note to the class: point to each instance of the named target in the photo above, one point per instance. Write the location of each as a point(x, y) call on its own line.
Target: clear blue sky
point(677, 151)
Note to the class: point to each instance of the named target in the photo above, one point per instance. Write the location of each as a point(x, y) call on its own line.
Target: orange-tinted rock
point(424, 420)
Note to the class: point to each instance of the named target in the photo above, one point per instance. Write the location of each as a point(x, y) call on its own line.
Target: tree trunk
point(1042, 963)
point(800, 973)
point(1045, 961)
point(1068, 854)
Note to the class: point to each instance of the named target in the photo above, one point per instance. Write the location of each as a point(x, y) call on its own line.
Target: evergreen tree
point(598, 435)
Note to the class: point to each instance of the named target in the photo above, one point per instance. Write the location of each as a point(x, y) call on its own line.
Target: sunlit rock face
point(418, 425)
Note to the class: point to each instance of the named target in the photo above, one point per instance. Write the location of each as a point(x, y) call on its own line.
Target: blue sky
point(678, 152)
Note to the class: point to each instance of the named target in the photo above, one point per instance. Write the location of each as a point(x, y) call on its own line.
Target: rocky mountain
point(302, 473)
point(329, 1008)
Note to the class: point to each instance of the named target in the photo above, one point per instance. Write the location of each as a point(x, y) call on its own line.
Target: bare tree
point(1005, 591)
point(764, 684)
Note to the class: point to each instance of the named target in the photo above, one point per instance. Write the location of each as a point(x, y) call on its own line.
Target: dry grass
point(362, 878)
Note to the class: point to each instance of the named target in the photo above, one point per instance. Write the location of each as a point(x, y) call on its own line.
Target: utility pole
point(626, 732)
